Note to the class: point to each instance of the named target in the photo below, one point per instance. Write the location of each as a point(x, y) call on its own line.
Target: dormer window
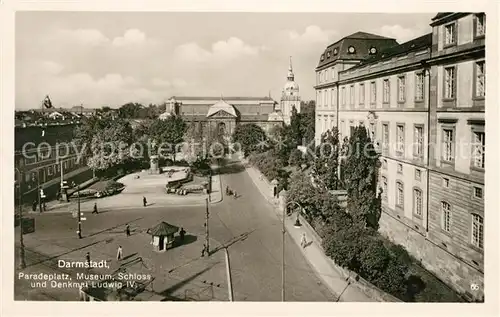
point(450, 34)
point(328, 54)
point(322, 57)
point(373, 51)
point(351, 50)
point(479, 25)
point(335, 51)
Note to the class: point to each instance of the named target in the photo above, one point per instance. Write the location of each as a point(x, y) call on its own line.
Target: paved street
point(247, 222)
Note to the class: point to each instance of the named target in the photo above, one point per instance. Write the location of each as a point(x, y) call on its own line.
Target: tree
point(296, 158)
point(130, 110)
point(282, 144)
point(267, 163)
point(168, 133)
point(360, 174)
point(325, 166)
point(307, 106)
point(307, 125)
point(110, 145)
point(251, 137)
point(295, 131)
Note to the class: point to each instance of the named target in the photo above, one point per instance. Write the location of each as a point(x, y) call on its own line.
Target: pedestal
point(153, 165)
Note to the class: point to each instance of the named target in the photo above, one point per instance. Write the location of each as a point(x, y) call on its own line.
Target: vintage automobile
point(173, 186)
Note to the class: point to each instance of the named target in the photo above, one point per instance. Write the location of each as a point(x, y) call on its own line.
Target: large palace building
point(423, 103)
point(224, 113)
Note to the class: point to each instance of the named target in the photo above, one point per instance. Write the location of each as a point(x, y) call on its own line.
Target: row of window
point(386, 91)
point(450, 81)
point(51, 170)
point(451, 30)
point(448, 146)
point(325, 75)
point(327, 97)
point(478, 145)
point(477, 221)
point(446, 211)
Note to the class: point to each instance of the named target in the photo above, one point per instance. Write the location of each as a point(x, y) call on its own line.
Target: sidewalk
point(321, 263)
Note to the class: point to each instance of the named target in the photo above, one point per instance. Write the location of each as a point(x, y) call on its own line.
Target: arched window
point(477, 230)
point(384, 188)
point(400, 194)
point(446, 216)
point(417, 202)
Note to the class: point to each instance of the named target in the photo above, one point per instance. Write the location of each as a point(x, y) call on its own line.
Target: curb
point(221, 198)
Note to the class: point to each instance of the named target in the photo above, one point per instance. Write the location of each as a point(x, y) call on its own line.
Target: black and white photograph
point(250, 156)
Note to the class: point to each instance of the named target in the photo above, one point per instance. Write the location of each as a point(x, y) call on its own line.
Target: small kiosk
point(163, 236)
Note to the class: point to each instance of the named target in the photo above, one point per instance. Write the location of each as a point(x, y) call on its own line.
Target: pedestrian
point(182, 233)
point(227, 190)
point(95, 209)
point(203, 250)
point(127, 230)
point(144, 201)
point(119, 253)
point(235, 195)
point(34, 205)
point(303, 240)
point(87, 257)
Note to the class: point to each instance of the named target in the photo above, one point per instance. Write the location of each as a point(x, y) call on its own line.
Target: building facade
point(36, 161)
point(290, 96)
point(224, 113)
point(422, 102)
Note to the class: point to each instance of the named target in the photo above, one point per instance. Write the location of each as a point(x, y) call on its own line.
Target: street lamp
point(79, 219)
point(22, 261)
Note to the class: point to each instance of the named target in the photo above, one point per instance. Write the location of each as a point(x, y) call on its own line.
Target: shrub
point(344, 246)
point(373, 259)
point(400, 253)
point(393, 280)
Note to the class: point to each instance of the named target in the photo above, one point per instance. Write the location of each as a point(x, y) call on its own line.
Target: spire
point(221, 97)
point(290, 75)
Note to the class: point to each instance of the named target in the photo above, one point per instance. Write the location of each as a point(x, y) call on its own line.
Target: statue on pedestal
point(153, 160)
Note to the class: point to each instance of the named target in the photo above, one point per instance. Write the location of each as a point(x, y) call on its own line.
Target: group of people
point(230, 192)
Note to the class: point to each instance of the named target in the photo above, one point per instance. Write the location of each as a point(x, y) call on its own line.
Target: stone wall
point(451, 270)
point(357, 281)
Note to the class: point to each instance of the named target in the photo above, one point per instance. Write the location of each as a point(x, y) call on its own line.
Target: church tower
point(290, 96)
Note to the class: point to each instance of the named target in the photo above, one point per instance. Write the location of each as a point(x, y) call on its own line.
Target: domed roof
point(291, 85)
point(221, 105)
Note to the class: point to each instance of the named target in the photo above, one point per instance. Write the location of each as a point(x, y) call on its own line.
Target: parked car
point(173, 186)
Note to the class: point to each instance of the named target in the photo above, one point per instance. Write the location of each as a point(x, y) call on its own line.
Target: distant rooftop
point(219, 98)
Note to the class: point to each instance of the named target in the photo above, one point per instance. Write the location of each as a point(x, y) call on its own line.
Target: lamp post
point(283, 255)
point(22, 261)
point(79, 219)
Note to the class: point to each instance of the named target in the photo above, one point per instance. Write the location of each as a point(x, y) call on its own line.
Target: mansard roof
point(419, 43)
point(362, 42)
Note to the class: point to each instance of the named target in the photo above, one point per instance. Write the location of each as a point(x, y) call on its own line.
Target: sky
point(111, 58)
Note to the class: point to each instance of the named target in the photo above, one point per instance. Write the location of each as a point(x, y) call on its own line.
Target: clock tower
point(290, 96)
